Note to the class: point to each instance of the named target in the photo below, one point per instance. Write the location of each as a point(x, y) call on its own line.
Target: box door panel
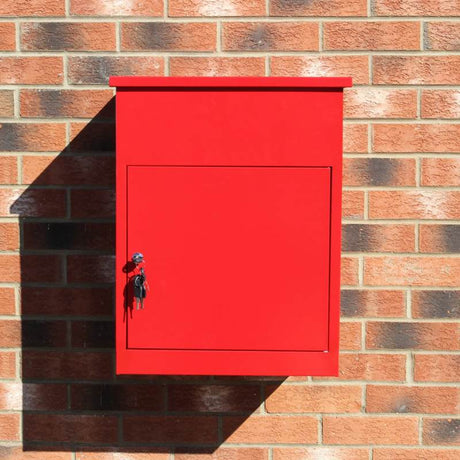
point(235, 257)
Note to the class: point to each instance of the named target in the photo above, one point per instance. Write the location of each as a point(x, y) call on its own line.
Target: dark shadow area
point(72, 399)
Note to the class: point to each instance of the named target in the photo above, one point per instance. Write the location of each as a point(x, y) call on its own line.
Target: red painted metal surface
point(231, 188)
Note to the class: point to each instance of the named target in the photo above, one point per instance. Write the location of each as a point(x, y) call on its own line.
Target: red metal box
point(231, 190)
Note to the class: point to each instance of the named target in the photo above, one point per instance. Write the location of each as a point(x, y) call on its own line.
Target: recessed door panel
point(237, 258)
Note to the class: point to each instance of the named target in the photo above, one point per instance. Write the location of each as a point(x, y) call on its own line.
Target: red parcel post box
point(230, 190)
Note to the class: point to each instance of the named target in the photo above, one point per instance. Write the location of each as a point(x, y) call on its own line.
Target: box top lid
point(229, 82)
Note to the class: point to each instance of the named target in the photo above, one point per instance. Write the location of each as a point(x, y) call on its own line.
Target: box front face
point(237, 258)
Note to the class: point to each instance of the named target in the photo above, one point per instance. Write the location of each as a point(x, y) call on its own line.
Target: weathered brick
point(415, 70)
point(436, 304)
point(32, 137)
point(316, 453)
point(442, 36)
point(322, 66)
point(9, 427)
point(355, 138)
point(353, 204)
point(439, 238)
point(374, 102)
point(370, 303)
point(371, 35)
point(370, 430)
point(116, 8)
point(29, 268)
point(270, 36)
point(168, 36)
point(8, 170)
point(350, 335)
point(436, 368)
point(7, 296)
point(7, 36)
point(33, 396)
point(442, 103)
point(222, 453)
point(414, 399)
point(405, 335)
point(441, 172)
point(6, 103)
point(217, 66)
point(314, 398)
point(187, 8)
point(67, 36)
point(424, 204)
point(32, 8)
point(7, 364)
point(10, 333)
point(318, 8)
point(416, 7)
point(349, 270)
point(17, 453)
point(442, 431)
point(43, 70)
point(95, 70)
point(397, 453)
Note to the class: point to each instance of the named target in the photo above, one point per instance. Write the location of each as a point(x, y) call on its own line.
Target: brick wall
point(396, 397)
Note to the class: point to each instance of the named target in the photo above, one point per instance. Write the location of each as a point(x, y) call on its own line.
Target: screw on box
point(140, 285)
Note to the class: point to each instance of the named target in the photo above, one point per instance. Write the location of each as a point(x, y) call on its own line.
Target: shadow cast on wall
point(72, 399)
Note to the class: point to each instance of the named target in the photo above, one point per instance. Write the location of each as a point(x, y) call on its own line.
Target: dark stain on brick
point(443, 430)
point(381, 171)
point(292, 5)
point(351, 302)
point(358, 237)
point(438, 304)
point(43, 333)
point(397, 335)
point(93, 334)
point(136, 397)
point(53, 36)
point(260, 38)
point(11, 137)
point(51, 103)
point(451, 237)
point(155, 36)
point(70, 236)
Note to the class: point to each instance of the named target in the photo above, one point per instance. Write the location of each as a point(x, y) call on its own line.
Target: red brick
point(439, 238)
point(416, 8)
point(370, 430)
point(9, 427)
point(32, 137)
point(170, 429)
point(217, 66)
point(43, 70)
point(374, 102)
point(68, 36)
point(371, 303)
point(43, 333)
point(32, 202)
point(6, 103)
point(415, 399)
point(440, 103)
point(441, 431)
point(7, 36)
point(7, 296)
point(88, 429)
point(378, 238)
point(426, 204)
point(9, 237)
point(63, 103)
point(32, 8)
point(10, 333)
point(350, 336)
point(151, 455)
point(116, 8)
point(320, 453)
point(371, 36)
point(355, 138)
point(31, 396)
point(378, 172)
point(95, 302)
point(442, 36)
point(371, 367)
point(349, 271)
point(17, 453)
point(93, 334)
point(8, 170)
point(352, 204)
point(213, 398)
point(90, 137)
point(321, 66)
point(97, 69)
point(416, 138)
point(318, 8)
point(168, 36)
point(80, 366)
point(188, 8)
point(414, 454)
point(7, 364)
point(90, 269)
point(93, 203)
point(68, 170)
point(436, 368)
point(420, 336)
point(416, 70)
point(270, 36)
point(440, 172)
point(258, 429)
point(436, 304)
point(314, 398)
